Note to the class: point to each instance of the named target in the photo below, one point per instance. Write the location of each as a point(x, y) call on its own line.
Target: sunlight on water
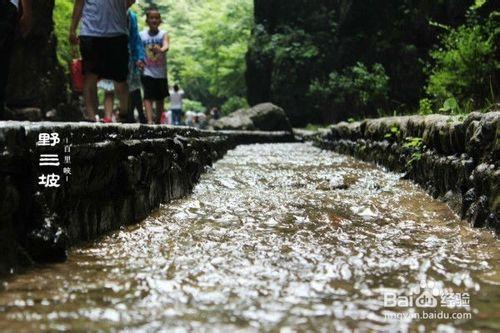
point(274, 237)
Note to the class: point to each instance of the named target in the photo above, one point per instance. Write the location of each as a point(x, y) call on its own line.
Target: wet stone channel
point(282, 237)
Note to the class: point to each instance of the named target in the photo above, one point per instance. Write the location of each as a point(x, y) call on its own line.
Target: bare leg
point(160, 108)
point(135, 102)
point(148, 105)
point(109, 97)
point(121, 89)
point(90, 95)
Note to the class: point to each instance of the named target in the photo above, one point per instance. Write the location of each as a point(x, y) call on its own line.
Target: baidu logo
point(427, 295)
point(425, 300)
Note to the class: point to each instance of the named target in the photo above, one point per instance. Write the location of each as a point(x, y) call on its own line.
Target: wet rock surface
point(24, 114)
point(454, 158)
point(262, 117)
point(118, 174)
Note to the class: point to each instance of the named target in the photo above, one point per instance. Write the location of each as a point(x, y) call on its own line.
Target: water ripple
point(275, 237)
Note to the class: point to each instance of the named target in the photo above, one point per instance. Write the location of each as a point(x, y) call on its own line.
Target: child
point(154, 80)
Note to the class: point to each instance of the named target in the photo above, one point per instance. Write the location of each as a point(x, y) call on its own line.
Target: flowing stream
point(278, 238)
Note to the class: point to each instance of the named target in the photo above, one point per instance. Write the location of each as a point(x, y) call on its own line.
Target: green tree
point(466, 65)
point(232, 104)
point(356, 91)
point(62, 19)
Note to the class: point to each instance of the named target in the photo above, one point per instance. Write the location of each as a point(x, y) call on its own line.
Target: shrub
point(356, 91)
point(425, 107)
point(466, 65)
point(232, 104)
point(190, 105)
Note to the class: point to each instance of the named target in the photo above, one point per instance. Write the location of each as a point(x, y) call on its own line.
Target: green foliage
point(425, 107)
point(232, 104)
point(62, 20)
point(415, 148)
point(450, 106)
point(190, 105)
point(413, 143)
point(356, 91)
point(415, 157)
point(466, 66)
point(478, 4)
point(393, 134)
point(293, 46)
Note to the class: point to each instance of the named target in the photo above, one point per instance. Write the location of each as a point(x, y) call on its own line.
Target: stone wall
point(119, 174)
point(454, 158)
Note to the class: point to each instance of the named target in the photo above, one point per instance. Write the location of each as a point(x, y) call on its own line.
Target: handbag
point(76, 72)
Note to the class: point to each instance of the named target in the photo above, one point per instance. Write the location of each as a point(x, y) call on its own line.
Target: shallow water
point(275, 237)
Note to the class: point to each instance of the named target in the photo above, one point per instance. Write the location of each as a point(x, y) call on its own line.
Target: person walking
point(9, 23)
point(103, 44)
point(154, 80)
point(176, 104)
point(135, 66)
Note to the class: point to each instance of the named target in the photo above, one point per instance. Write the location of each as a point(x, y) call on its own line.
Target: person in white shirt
point(154, 78)
point(103, 44)
point(176, 104)
point(9, 23)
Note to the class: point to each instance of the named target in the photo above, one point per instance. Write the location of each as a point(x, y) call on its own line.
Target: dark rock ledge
point(454, 158)
point(119, 174)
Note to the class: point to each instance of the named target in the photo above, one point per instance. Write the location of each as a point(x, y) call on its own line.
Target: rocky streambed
point(455, 158)
point(278, 237)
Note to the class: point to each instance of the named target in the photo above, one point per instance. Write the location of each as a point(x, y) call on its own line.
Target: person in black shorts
point(154, 79)
point(104, 48)
point(155, 89)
